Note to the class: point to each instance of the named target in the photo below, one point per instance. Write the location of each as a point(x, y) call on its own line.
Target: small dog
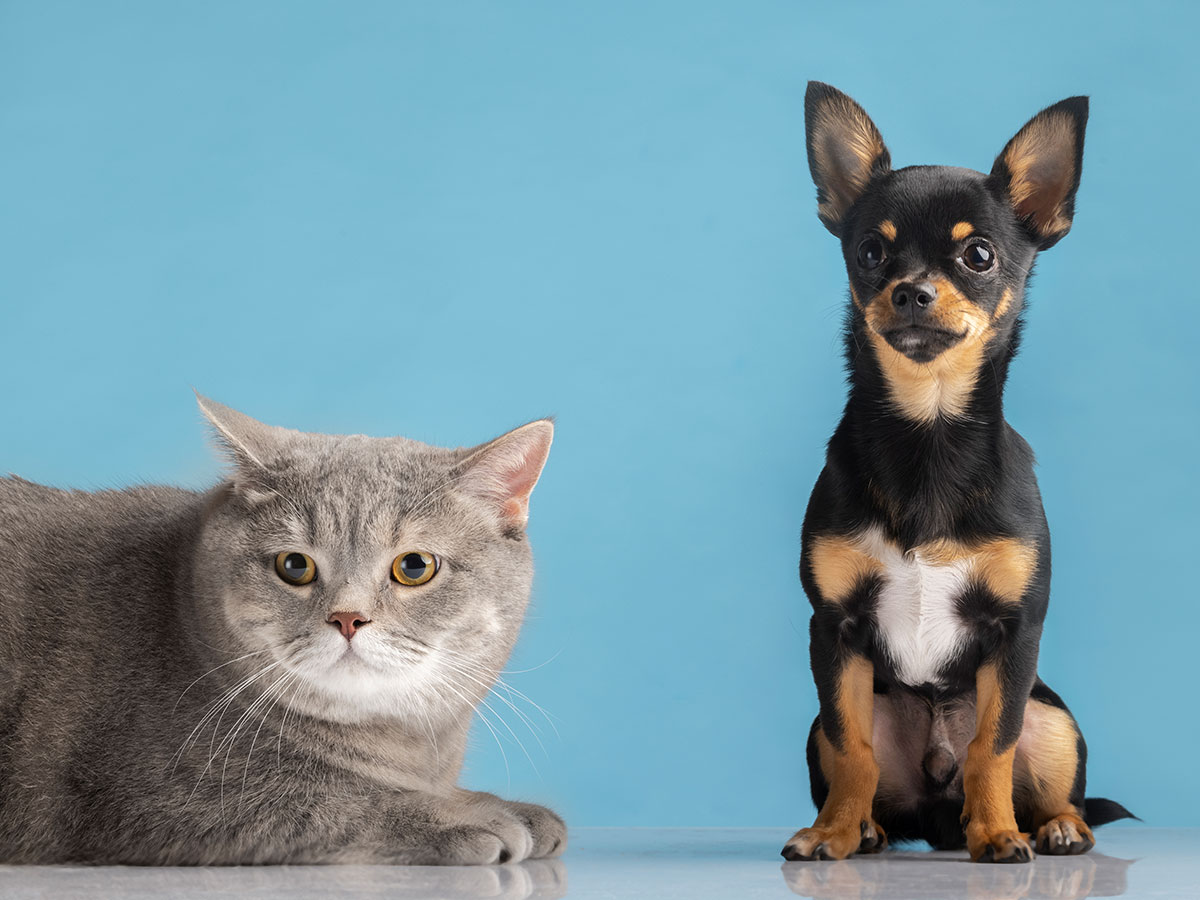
point(926, 554)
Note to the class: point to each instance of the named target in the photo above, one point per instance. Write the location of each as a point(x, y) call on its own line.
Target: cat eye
point(295, 568)
point(414, 568)
point(978, 256)
point(870, 253)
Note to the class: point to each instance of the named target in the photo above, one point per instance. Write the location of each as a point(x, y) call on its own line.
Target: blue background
point(445, 219)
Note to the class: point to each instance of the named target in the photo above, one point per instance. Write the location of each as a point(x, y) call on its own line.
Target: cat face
point(376, 576)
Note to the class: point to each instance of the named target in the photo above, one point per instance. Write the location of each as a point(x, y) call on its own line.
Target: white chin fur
point(374, 680)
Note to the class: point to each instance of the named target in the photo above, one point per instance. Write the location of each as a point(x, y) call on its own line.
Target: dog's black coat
point(966, 477)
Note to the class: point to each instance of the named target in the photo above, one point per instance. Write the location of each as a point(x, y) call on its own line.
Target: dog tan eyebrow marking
point(962, 230)
point(888, 229)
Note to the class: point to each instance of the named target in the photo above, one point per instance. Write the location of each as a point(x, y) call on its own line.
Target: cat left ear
point(503, 472)
point(251, 444)
point(1038, 171)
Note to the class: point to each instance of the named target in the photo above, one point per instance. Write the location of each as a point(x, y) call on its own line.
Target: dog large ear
point(845, 151)
point(1038, 171)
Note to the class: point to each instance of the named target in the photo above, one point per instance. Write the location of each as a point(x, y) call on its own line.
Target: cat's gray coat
point(167, 698)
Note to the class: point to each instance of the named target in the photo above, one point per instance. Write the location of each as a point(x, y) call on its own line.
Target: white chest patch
point(917, 614)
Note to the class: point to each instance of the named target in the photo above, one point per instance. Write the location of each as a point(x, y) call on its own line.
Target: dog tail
point(1099, 811)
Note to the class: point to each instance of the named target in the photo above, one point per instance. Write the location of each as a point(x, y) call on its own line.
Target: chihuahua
point(925, 549)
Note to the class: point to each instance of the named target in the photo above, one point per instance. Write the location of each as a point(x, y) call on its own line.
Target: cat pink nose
point(347, 622)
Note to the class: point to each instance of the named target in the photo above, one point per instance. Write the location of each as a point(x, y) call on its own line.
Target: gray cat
point(280, 670)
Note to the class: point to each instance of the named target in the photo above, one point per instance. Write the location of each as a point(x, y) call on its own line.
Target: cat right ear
point(503, 472)
point(251, 444)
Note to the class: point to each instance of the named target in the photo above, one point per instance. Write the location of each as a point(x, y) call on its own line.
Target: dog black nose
point(920, 293)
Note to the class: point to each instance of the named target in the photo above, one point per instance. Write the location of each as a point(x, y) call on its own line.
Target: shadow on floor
point(530, 880)
point(935, 876)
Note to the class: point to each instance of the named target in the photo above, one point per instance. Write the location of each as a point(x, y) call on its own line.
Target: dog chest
point(916, 611)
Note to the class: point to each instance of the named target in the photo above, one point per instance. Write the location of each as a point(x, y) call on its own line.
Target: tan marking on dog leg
point(991, 824)
point(1044, 772)
point(1006, 566)
point(844, 824)
point(1003, 565)
point(838, 565)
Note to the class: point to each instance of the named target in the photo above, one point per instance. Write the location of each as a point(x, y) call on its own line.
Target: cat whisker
point(231, 736)
point(283, 722)
point(226, 704)
point(484, 720)
point(210, 671)
point(512, 691)
point(520, 713)
point(501, 684)
point(419, 648)
point(215, 707)
point(504, 722)
point(284, 680)
point(437, 756)
point(532, 669)
point(420, 643)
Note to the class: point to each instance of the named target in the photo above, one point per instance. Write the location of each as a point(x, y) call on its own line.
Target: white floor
point(696, 864)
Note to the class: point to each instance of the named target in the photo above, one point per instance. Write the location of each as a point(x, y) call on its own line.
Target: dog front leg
point(991, 825)
point(845, 824)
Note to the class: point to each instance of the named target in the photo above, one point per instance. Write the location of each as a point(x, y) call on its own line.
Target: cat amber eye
point(295, 568)
point(414, 568)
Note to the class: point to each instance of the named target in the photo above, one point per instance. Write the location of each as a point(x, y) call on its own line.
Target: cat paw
point(473, 845)
point(547, 831)
point(998, 846)
point(1065, 835)
point(835, 841)
point(525, 830)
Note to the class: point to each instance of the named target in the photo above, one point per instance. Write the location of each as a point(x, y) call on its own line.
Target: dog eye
point(870, 253)
point(295, 568)
point(414, 568)
point(978, 256)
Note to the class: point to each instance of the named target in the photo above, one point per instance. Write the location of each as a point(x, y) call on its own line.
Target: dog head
point(938, 257)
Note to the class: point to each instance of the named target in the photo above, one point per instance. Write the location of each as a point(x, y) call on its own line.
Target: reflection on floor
point(665, 863)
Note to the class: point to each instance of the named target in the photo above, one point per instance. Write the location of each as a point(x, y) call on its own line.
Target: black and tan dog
point(926, 553)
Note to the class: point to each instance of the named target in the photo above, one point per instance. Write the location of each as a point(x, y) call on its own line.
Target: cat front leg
point(547, 831)
point(463, 828)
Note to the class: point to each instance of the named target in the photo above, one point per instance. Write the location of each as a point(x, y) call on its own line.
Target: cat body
point(171, 692)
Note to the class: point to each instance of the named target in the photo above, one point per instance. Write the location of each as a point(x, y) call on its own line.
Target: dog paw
point(1065, 835)
point(835, 841)
point(999, 846)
